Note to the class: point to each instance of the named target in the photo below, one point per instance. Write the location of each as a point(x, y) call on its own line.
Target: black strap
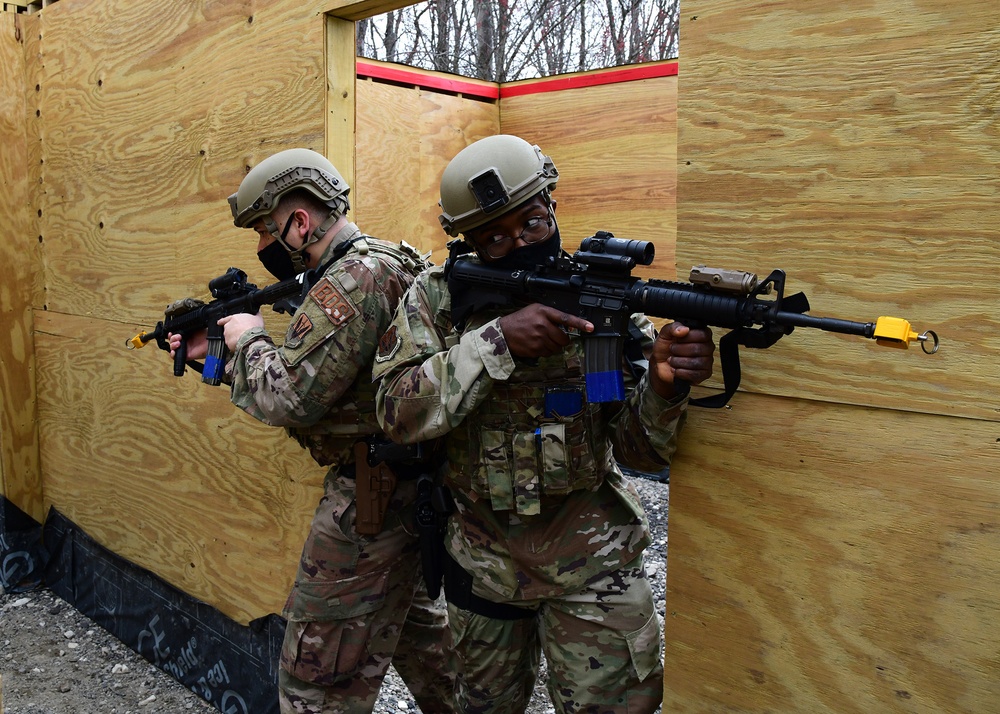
point(313, 276)
point(635, 358)
point(729, 356)
point(407, 461)
point(290, 305)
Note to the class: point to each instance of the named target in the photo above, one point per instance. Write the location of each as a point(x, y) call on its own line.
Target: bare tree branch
point(505, 40)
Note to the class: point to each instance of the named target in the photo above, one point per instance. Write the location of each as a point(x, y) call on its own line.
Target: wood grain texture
point(406, 137)
point(352, 10)
point(618, 175)
point(147, 127)
point(831, 558)
point(166, 472)
point(834, 543)
point(20, 479)
point(341, 99)
point(856, 147)
point(145, 118)
point(615, 148)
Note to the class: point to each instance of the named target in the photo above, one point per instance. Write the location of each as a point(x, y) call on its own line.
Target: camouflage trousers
point(359, 604)
point(602, 649)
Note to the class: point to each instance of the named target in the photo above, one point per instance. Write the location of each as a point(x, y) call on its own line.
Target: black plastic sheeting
point(235, 667)
point(22, 556)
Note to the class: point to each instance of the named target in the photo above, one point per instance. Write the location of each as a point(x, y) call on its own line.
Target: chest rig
point(534, 437)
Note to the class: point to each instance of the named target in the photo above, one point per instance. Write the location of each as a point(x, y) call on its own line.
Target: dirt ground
point(54, 660)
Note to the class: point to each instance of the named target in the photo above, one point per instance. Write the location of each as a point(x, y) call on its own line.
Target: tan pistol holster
point(373, 489)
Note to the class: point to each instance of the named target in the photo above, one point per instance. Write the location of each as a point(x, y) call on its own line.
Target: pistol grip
point(180, 357)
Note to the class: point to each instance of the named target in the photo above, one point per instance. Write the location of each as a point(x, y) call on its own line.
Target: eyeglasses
point(498, 245)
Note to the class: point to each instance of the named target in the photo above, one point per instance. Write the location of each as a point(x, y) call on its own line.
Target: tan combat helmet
point(490, 177)
point(275, 177)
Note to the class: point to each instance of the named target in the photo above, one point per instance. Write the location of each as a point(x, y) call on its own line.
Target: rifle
point(233, 295)
point(596, 284)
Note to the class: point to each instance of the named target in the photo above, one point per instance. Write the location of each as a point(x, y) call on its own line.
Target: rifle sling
point(729, 356)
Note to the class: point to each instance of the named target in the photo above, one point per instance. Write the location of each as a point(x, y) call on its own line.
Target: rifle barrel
point(830, 324)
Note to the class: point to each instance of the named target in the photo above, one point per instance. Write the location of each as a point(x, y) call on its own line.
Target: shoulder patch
point(302, 326)
point(388, 345)
point(337, 306)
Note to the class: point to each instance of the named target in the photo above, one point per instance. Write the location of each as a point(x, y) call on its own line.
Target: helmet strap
point(298, 254)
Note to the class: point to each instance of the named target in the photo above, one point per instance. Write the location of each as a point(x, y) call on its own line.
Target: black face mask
point(277, 261)
point(529, 256)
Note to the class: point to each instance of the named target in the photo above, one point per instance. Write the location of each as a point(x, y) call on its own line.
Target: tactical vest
point(330, 440)
point(535, 438)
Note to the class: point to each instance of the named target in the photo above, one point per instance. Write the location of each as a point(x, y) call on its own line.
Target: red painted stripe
point(575, 81)
point(419, 79)
point(485, 91)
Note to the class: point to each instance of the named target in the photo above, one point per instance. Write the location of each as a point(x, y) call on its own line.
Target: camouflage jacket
point(540, 510)
point(318, 384)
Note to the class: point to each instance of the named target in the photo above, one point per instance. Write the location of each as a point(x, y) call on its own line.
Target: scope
point(224, 284)
point(641, 251)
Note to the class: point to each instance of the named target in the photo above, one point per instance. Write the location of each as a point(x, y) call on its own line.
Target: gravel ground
point(54, 660)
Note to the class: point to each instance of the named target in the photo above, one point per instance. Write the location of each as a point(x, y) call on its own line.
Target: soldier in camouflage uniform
point(546, 542)
point(358, 601)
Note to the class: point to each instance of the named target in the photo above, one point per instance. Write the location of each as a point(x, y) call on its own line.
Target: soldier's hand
point(539, 330)
point(680, 353)
point(235, 325)
point(197, 344)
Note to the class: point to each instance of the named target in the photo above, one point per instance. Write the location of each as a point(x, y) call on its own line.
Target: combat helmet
point(275, 177)
point(489, 177)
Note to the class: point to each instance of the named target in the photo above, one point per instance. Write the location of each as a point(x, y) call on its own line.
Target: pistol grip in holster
point(373, 489)
point(431, 511)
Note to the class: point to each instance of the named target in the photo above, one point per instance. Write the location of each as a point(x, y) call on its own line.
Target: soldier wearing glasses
point(545, 543)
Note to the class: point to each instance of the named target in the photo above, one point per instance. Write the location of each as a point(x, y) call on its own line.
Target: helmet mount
point(492, 176)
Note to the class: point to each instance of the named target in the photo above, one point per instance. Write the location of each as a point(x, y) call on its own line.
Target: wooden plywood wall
point(857, 149)
point(405, 138)
point(834, 535)
point(616, 172)
point(145, 116)
point(833, 558)
point(20, 479)
point(615, 148)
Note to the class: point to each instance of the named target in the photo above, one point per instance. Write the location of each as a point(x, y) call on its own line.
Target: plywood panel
point(147, 117)
point(166, 472)
point(824, 556)
point(615, 148)
point(829, 558)
point(406, 137)
point(152, 113)
point(20, 479)
point(856, 147)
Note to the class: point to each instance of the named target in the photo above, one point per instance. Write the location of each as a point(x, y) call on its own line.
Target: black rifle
point(233, 295)
point(597, 285)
